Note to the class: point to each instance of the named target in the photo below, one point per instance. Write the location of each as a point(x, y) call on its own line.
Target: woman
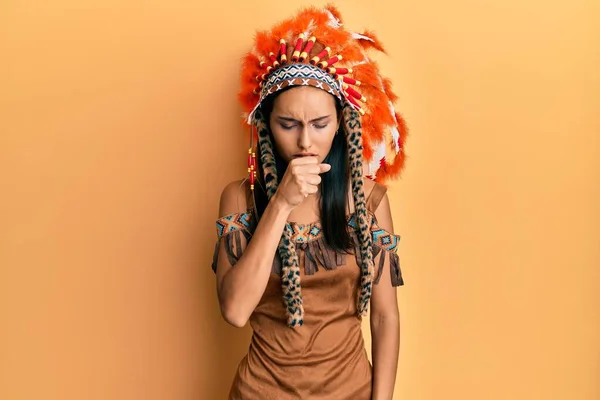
point(306, 243)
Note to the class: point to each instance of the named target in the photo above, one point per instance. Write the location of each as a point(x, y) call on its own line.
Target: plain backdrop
point(119, 127)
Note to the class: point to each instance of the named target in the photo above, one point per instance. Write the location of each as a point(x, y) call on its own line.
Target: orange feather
point(387, 87)
point(352, 54)
point(367, 74)
point(379, 106)
point(367, 149)
point(372, 128)
point(374, 44)
point(265, 43)
point(402, 129)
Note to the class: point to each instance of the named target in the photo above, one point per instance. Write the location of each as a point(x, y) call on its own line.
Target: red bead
point(283, 51)
point(351, 100)
point(350, 81)
point(317, 58)
point(307, 48)
point(355, 94)
point(274, 60)
point(331, 61)
point(298, 47)
point(339, 71)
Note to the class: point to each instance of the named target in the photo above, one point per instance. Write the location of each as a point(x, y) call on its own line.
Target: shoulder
point(369, 184)
point(234, 198)
point(376, 195)
point(378, 204)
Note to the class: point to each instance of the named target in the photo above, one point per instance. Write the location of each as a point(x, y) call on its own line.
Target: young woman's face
point(304, 122)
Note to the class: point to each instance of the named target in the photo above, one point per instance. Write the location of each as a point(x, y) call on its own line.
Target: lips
point(304, 155)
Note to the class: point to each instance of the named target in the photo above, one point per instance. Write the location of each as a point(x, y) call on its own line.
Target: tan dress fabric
point(326, 357)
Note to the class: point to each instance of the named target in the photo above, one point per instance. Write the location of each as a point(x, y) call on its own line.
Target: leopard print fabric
point(267, 157)
point(353, 127)
point(290, 264)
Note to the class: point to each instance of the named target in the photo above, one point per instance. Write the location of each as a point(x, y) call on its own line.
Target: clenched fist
point(301, 179)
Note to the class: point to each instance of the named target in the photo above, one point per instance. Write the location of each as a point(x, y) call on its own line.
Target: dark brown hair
point(334, 184)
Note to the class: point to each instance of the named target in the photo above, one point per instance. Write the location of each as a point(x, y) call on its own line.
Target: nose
point(304, 142)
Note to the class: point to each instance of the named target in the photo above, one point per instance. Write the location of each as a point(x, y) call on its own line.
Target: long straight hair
point(334, 184)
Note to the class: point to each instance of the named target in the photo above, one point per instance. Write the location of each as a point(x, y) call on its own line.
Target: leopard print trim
point(353, 127)
point(290, 268)
point(267, 157)
point(290, 280)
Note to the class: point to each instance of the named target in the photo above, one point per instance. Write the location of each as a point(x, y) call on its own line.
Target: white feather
point(333, 21)
point(378, 155)
point(251, 113)
point(309, 29)
point(362, 37)
point(394, 130)
point(396, 136)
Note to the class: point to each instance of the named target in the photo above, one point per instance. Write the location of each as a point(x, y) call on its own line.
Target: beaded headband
point(299, 75)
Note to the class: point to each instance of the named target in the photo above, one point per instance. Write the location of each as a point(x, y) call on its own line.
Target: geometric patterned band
point(304, 233)
point(299, 75)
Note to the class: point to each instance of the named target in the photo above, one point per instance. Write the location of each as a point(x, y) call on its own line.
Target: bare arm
point(241, 287)
point(385, 321)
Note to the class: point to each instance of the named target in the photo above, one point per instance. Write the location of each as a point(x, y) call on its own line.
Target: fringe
point(215, 257)
point(395, 270)
point(310, 264)
point(376, 251)
point(316, 254)
point(233, 247)
point(316, 251)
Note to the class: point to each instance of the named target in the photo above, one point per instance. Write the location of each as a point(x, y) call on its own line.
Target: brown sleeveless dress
point(326, 357)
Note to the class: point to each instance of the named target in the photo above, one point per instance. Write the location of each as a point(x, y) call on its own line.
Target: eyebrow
point(288, 119)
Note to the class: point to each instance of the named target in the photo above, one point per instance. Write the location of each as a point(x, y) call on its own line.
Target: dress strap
point(375, 197)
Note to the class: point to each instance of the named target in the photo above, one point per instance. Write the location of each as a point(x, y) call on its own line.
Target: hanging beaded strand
point(251, 160)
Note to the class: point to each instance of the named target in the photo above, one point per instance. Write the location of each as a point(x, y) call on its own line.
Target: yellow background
point(119, 127)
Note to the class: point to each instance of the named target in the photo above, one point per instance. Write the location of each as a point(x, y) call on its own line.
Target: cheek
point(325, 138)
point(284, 144)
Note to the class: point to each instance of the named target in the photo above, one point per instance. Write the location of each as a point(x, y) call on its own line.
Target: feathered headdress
point(313, 49)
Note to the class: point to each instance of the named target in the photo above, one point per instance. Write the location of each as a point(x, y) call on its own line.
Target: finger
point(312, 169)
point(311, 189)
point(324, 168)
point(304, 161)
point(313, 179)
